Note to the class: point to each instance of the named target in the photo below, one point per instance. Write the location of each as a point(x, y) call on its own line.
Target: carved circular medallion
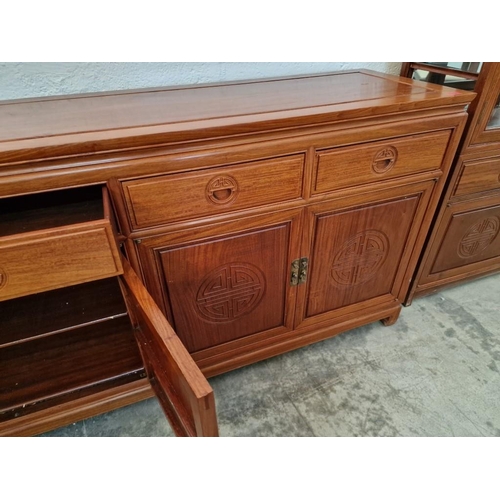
point(384, 160)
point(222, 189)
point(3, 278)
point(478, 237)
point(230, 291)
point(360, 258)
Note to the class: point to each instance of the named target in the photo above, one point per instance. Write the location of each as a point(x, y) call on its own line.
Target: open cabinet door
point(184, 393)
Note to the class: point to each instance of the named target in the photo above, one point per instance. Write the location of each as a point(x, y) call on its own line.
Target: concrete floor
point(436, 372)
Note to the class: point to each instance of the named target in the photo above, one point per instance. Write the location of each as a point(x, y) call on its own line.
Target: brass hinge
point(299, 271)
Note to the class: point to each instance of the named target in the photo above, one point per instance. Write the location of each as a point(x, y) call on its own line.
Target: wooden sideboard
point(152, 238)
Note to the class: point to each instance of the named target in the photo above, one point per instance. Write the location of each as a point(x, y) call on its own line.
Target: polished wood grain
point(95, 168)
point(68, 240)
point(76, 114)
point(60, 364)
point(184, 393)
point(44, 260)
point(373, 162)
point(357, 253)
point(84, 124)
point(60, 310)
point(464, 224)
point(340, 234)
point(472, 235)
point(218, 190)
point(232, 287)
point(155, 200)
point(192, 274)
point(479, 176)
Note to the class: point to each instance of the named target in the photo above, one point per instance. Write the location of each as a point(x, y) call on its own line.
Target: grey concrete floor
point(436, 372)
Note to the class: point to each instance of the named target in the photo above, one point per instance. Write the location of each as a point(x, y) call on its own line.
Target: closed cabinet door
point(227, 282)
point(468, 241)
point(360, 252)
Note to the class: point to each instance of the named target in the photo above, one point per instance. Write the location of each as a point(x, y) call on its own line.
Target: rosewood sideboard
point(150, 239)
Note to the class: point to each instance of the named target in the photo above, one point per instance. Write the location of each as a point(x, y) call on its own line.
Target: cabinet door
point(360, 252)
point(467, 242)
point(225, 282)
point(184, 393)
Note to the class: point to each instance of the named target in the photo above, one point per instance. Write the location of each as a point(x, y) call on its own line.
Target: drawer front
point(44, 260)
point(366, 163)
point(176, 197)
point(479, 176)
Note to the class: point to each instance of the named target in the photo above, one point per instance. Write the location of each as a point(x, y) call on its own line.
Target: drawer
point(479, 176)
point(52, 240)
point(169, 198)
point(366, 163)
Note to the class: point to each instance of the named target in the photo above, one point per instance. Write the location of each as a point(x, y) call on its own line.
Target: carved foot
point(391, 319)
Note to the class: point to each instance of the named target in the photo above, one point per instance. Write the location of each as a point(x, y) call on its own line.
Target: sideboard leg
point(390, 320)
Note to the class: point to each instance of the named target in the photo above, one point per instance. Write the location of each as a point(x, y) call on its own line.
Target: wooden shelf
point(48, 210)
point(46, 371)
point(56, 311)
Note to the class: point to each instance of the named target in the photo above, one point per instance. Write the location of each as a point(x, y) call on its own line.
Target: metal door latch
point(298, 273)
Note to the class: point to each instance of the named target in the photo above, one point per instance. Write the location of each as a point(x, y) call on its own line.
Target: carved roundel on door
point(222, 190)
point(479, 236)
point(230, 291)
point(360, 258)
point(384, 159)
point(3, 278)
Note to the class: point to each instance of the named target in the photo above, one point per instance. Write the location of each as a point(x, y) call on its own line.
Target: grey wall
point(22, 79)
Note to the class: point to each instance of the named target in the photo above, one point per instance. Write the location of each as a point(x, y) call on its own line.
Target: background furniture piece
point(465, 239)
point(261, 216)
point(460, 75)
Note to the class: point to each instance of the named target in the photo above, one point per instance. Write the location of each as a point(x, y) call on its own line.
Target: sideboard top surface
point(86, 123)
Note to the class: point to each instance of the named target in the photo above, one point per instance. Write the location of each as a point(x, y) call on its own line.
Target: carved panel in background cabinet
point(470, 237)
point(478, 237)
point(227, 288)
point(357, 253)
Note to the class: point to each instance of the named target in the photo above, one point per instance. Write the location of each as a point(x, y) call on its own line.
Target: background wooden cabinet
point(465, 239)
